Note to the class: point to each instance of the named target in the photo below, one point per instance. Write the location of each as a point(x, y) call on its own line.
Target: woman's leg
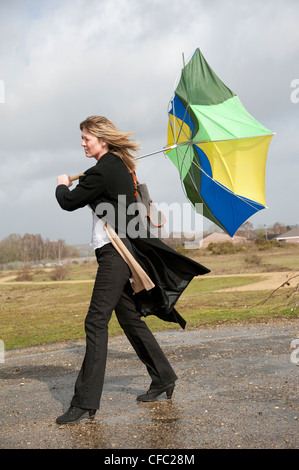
point(113, 274)
point(143, 341)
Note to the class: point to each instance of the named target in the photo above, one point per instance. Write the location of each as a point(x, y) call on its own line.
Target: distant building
point(292, 236)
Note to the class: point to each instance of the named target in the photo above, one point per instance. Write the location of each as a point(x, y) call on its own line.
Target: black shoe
point(74, 414)
point(153, 393)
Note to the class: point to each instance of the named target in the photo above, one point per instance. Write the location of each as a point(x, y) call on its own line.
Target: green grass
point(37, 314)
point(75, 272)
point(276, 259)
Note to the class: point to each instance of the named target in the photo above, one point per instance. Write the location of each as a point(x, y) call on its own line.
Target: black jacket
point(109, 184)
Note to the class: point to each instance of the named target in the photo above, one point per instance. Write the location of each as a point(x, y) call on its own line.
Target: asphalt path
point(237, 389)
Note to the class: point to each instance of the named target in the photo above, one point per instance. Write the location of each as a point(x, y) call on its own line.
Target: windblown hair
point(118, 142)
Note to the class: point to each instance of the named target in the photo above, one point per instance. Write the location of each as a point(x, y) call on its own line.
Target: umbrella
point(219, 149)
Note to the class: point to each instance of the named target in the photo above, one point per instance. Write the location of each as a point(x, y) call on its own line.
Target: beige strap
point(140, 279)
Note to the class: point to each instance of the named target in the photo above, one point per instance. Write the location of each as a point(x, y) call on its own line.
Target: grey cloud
point(63, 61)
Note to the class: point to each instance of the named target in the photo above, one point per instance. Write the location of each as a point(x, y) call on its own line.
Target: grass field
point(41, 311)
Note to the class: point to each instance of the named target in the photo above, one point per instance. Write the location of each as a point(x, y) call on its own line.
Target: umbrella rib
point(179, 159)
point(181, 127)
point(193, 182)
point(228, 140)
point(164, 149)
point(175, 120)
point(173, 127)
point(226, 168)
point(215, 181)
point(177, 147)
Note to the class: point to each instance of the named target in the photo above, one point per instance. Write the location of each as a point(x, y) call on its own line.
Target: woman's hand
point(64, 179)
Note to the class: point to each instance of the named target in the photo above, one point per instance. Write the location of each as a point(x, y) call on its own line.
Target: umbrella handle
point(75, 177)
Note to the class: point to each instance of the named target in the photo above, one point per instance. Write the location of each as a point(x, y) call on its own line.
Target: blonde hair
point(118, 142)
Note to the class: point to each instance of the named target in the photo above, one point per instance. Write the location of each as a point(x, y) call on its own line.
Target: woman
point(109, 184)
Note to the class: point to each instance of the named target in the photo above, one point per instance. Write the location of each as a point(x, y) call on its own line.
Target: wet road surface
point(237, 388)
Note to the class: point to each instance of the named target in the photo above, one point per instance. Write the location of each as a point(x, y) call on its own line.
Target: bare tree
point(32, 248)
point(278, 228)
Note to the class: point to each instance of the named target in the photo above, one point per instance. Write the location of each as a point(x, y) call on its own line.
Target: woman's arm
point(90, 186)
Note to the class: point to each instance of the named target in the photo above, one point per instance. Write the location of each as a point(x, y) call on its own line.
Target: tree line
point(31, 248)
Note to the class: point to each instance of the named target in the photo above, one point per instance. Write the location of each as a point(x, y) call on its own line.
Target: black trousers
point(112, 291)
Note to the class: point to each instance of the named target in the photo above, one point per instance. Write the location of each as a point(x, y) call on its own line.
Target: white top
point(99, 237)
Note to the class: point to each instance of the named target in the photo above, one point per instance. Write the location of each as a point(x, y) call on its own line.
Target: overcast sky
point(63, 60)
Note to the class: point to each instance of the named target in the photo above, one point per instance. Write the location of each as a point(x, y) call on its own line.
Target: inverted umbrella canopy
point(219, 149)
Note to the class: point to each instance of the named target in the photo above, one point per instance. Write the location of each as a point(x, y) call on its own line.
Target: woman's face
point(93, 147)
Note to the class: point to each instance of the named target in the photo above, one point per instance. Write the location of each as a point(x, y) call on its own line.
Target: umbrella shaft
point(158, 151)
